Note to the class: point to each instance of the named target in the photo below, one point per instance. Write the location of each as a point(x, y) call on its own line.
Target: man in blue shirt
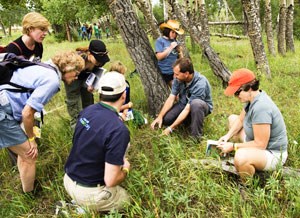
point(97, 164)
point(195, 100)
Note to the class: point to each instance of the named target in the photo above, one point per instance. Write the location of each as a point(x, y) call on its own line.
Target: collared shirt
point(44, 81)
point(198, 88)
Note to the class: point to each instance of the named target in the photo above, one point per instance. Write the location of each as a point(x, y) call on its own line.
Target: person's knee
point(198, 104)
point(231, 119)
point(23, 159)
point(240, 158)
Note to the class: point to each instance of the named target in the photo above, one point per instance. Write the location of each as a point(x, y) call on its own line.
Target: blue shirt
point(100, 136)
point(165, 65)
point(44, 81)
point(198, 88)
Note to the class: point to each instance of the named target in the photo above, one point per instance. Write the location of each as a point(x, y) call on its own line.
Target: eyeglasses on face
point(237, 93)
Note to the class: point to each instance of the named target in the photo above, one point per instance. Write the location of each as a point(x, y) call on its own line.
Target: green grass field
point(164, 181)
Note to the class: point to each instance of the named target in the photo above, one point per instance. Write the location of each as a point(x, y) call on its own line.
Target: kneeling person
point(97, 164)
point(195, 101)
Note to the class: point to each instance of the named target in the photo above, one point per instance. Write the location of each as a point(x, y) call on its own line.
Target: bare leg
point(26, 166)
point(248, 160)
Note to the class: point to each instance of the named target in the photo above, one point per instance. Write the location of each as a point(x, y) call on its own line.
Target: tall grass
point(164, 181)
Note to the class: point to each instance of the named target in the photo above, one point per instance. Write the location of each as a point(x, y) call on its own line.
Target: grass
point(164, 182)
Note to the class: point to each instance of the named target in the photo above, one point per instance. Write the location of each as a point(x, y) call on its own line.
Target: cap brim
point(103, 59)
point(230, 90)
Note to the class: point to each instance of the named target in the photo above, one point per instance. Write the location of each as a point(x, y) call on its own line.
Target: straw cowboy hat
point(173, 25)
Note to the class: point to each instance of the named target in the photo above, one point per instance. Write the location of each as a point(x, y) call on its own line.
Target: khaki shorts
point(275, 159)
point(99, 198)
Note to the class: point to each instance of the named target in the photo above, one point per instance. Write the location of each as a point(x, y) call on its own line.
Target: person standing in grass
point(17, 107)
point(195, 100)
point(168, 49)
point(35, 28)
point(259, 129)
point(78, 96)
point(97, 164)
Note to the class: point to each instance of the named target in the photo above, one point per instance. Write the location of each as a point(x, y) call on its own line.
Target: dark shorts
point(167, 77)
point(10, 131)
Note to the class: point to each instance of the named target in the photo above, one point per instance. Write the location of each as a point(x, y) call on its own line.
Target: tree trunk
point(204, 21)
point(282, 27)
point(141, 52)
point(217, 66)
point(269, 28)
point(3, 27)
point(69, 37)
point(254, 33)
point(289, 26)
point(146, 8)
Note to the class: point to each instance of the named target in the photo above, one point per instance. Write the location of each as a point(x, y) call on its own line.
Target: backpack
point(3, 48)
point(10, 62)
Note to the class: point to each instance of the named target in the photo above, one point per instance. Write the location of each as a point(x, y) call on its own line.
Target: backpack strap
point(16, 44)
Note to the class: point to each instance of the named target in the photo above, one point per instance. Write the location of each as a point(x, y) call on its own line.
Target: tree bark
point(69, 37)
point(217, 66)
point(269, 28)
point(146, 8)
point(3, 27)
point(282, 27)
point(204, 21)
point(254, 32)
point(141, 52)
point(289, 26)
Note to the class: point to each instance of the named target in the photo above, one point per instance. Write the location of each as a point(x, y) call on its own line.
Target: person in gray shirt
point(194, 100)
point(260, 127)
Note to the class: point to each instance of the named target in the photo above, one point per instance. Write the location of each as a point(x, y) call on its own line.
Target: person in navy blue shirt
point(194, 100)
point(97, 164)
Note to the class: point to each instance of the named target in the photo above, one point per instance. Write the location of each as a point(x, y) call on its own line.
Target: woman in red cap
point(168, 49)
point(260, 128)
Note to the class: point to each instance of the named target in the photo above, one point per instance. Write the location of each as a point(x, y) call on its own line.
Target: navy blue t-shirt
point(100, 136)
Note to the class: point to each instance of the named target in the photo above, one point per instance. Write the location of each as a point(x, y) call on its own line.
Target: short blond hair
point(34, 20)
point(118, 66)
point(68, 61)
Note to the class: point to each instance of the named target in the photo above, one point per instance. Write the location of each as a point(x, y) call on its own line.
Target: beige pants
point(97, 198)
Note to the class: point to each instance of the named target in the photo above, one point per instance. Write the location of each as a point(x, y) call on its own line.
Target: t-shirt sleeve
point(262, 114)
point(159, 47)
point(116, 146)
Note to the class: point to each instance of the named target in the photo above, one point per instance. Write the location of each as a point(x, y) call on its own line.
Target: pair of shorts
point(11, 133)
point(167, 77)
point(275, 159)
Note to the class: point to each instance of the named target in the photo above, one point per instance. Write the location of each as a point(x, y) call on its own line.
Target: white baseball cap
point(112, 83)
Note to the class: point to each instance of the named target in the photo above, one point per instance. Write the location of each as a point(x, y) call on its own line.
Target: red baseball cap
point(237, 79)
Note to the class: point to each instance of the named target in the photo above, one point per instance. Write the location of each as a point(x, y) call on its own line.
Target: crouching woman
point(19, 107)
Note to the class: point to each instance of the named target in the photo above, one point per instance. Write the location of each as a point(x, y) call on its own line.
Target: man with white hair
point(97, 164)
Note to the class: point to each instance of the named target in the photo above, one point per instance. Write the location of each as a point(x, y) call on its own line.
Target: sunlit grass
point(164, 182)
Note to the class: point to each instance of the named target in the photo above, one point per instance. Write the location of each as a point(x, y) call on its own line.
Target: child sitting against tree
point(126, 111)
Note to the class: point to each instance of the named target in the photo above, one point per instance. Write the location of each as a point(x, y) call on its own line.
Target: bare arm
point(167, 106)
point(114, 175)
point(28, 121)
point(165, 53)
point(182, 116)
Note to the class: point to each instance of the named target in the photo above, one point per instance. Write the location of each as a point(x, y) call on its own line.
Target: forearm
point(164, 54)
point(28, 120)
point(182, 116)
point(167, 106)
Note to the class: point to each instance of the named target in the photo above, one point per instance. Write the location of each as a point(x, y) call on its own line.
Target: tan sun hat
point(173, 25)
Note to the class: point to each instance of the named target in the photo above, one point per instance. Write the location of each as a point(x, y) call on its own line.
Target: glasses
point(237, 93)
point(101, 53)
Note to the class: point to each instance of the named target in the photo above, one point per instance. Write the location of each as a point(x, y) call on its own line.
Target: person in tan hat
point(167, 48)
point(259, 129)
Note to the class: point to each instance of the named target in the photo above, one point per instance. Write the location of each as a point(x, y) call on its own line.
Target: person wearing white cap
point(97, 163)
point(168, 49)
